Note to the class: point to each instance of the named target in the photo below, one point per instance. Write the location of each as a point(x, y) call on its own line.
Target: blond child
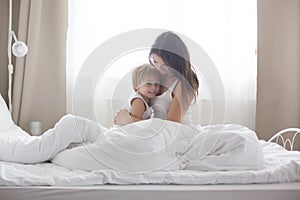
point(145, 82)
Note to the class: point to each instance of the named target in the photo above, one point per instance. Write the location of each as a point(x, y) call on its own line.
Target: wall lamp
point(18, 49)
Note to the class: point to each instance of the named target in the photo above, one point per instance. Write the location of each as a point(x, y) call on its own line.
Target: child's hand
point(122, 117)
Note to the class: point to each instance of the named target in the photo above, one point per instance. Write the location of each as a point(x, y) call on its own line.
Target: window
point(225, 29)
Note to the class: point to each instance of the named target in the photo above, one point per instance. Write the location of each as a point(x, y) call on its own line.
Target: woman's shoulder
point(178, 87)
point(186, 97)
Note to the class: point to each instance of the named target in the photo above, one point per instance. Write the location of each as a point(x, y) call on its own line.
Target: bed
point(278, 179)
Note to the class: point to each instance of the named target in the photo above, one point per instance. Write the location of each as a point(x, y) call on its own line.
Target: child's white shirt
point(148, 112)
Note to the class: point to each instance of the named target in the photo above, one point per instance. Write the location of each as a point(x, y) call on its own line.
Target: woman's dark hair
point(174, 53)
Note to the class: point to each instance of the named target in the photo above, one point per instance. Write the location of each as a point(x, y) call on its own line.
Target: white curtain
point(225, 29)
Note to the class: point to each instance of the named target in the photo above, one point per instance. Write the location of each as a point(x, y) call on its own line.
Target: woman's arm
point(178, 107)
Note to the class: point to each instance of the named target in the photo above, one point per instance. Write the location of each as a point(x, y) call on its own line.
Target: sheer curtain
point(225, 29)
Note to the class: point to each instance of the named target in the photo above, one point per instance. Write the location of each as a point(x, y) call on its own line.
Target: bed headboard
point(286, 138)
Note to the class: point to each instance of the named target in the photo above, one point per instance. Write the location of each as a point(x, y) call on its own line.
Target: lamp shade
point(19, 49)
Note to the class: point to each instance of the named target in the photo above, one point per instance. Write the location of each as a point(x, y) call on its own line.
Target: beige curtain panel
point(278, 81)
point(39, 90)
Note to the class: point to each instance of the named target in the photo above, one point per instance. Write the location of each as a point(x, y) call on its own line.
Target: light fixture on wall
point(19, 49)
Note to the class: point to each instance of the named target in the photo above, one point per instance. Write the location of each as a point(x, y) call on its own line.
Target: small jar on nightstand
point(35, 128)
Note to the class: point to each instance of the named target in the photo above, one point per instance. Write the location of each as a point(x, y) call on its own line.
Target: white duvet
point(146, 146)
point(155, 151)
point(279, 166)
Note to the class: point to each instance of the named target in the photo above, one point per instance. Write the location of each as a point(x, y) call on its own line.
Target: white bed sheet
point(280, 166)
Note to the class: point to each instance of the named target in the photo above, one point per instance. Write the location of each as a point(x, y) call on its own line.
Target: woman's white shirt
point(161, 104)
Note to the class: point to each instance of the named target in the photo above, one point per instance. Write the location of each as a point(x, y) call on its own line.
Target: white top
point(161, 104)
point(148, 112)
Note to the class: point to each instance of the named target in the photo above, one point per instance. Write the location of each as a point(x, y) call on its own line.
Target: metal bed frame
point(280, 138)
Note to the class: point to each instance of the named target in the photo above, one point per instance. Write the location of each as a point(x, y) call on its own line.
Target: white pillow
point(5, 116)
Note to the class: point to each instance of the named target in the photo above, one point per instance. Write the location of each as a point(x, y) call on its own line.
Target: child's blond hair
point(141, 73)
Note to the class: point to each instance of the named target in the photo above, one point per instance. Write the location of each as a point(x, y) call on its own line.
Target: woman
point(216, 147)
point(179, 83)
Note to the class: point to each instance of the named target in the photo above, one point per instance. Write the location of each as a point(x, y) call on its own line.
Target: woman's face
point(159, 64)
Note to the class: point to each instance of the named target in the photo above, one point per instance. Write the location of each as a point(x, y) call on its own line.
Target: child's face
point(149, 87)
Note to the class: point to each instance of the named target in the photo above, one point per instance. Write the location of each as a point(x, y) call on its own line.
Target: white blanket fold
point(225, 147)
point(149, 145)
point(18, 146)
point(146, 146)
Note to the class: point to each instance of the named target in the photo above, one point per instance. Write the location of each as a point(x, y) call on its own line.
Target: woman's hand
point(122, 117)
